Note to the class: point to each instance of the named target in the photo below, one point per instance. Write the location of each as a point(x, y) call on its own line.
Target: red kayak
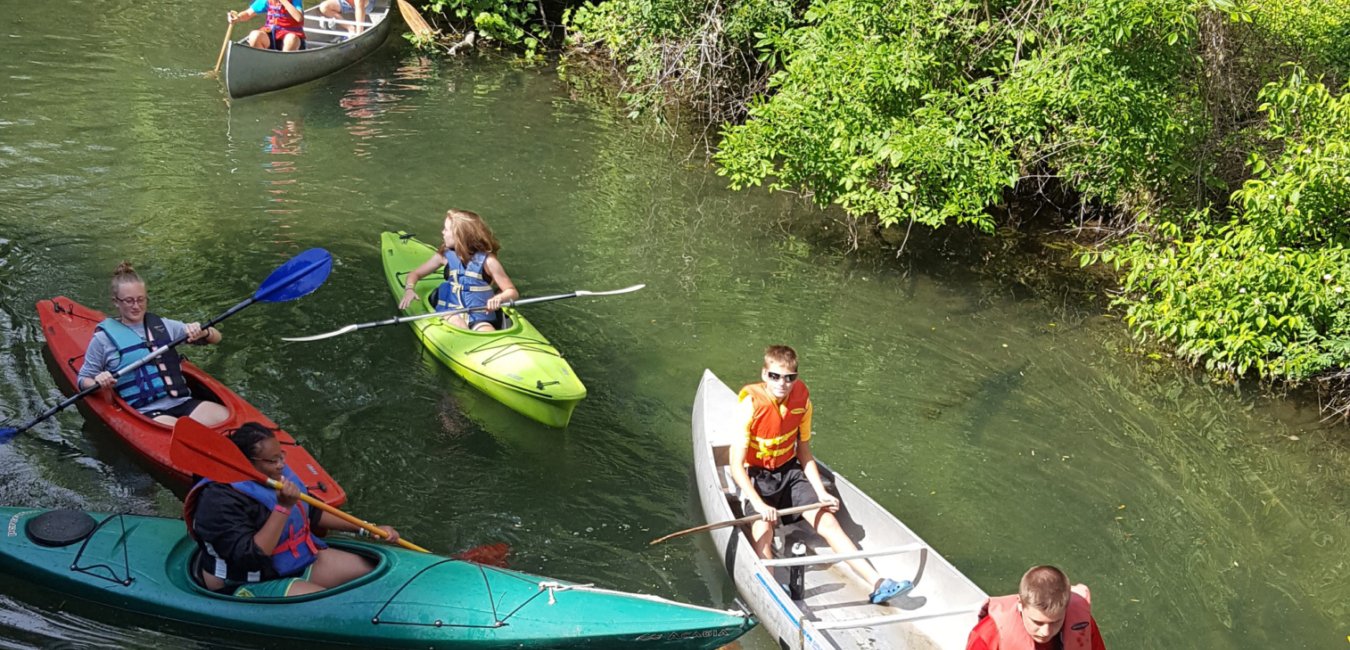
point(68, 326)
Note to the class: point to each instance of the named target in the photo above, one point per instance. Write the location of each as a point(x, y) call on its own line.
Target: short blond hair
point(1045, 588)
point(781, 354)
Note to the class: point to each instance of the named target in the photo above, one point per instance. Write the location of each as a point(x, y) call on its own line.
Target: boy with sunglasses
point(775, 469)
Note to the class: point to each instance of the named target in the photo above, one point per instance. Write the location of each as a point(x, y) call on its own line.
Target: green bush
point(930, 110)
point(512, 22)
point(1267, 289)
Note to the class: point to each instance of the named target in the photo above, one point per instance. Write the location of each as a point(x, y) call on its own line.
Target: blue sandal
point(889, 589)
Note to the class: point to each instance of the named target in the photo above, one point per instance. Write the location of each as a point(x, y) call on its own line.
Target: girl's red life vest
point(773, 435)
point(279, 18)
point(297, 548)
point(1012, 634)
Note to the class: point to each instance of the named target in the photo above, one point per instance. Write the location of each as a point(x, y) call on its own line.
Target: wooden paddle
point(419, 27)
point(442, 314)
point(297, 278)
point(737, 522)
point(216, 71)
point(197, 449)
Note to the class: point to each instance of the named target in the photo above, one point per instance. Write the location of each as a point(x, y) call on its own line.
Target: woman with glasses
point(158, 389)
point(255, 541)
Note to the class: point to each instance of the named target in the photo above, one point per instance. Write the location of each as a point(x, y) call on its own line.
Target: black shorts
point(181, 411)
point(781, 488)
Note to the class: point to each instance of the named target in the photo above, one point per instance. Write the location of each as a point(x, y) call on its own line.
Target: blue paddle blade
point(298, 277)
point(7, 434)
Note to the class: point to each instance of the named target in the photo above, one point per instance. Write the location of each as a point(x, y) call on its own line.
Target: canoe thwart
point(374, 19)
point(834, 558)
point(873, 621)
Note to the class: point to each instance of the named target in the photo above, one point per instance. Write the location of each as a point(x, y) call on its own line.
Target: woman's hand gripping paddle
point(296, 278)
point(442, 314)
point(198, 449)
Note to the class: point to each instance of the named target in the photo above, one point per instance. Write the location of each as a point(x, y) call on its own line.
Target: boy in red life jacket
point(775, 469)
point(285, 27)
point(1045, 614)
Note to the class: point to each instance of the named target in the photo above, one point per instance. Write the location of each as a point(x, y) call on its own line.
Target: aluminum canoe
point(251, 71)
point(834, 612)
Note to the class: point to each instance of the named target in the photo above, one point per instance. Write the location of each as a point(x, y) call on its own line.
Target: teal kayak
point(411, 600)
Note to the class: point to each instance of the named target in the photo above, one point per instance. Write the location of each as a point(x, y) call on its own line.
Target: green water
point(1006, 430)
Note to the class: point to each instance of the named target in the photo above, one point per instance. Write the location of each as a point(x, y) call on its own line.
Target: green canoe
point(411, 600)
point(515, 365)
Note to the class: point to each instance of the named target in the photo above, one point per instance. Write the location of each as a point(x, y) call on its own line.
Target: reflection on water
point(369, 100)
point(1006, 431)
point(281, 146)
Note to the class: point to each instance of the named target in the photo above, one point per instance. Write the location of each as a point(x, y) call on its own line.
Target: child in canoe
point(469, 256)
point(774, 467)
point(284, 29)
point(157, 389)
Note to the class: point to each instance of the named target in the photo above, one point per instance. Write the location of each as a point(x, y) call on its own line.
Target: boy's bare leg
point(828, 527)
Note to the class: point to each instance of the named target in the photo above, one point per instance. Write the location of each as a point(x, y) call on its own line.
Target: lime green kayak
point(515, 365)
point(411, 600)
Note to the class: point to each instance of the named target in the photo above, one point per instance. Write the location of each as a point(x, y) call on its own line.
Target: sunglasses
point(789, 377)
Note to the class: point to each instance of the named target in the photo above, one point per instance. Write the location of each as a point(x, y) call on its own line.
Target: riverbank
point(116, 148)
point(1165, 135)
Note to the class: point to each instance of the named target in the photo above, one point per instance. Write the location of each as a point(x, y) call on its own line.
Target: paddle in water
point(200, 450)
point(296, 278)
point(215, 72)
point(441, 314)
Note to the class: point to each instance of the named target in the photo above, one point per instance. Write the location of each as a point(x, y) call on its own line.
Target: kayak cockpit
point(371, 552)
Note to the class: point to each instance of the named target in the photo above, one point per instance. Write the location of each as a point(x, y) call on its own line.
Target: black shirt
point(227, 519)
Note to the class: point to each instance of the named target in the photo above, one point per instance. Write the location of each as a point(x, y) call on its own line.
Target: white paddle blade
point(612, 293)
point(320, 337)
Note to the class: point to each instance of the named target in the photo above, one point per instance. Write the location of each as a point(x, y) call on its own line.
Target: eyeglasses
point(278, 461)
point(140, 300)
point(789, 377)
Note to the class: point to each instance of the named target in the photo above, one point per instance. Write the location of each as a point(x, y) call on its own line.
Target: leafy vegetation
point(1204, 145)
point(1266, 289)
point(519, 23)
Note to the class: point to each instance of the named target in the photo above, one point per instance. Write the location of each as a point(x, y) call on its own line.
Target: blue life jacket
point(161, 378)
point(464, 286)
point(296, 549)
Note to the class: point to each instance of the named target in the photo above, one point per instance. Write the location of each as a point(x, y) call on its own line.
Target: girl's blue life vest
point(161, 378)
point(464, 286)
point(296, 549)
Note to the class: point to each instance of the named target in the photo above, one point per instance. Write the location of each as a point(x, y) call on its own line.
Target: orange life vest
point(773, 436)
point(1012, 634)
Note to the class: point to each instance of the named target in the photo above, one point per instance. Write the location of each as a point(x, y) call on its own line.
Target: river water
point(1007, 430)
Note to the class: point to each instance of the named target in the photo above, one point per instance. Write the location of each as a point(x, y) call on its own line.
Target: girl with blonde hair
point(471, 267)
point(158, 389)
